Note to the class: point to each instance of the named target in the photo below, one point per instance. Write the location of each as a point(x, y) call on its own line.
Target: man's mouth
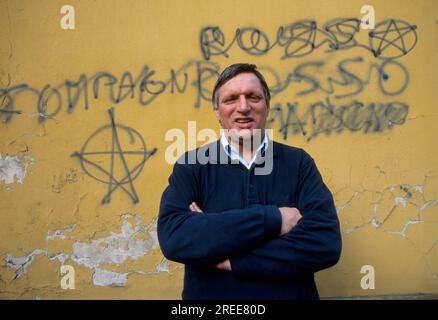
point(243, 120)
point(244, 123)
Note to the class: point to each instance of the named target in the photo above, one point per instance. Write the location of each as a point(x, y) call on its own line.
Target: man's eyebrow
point(230, 95)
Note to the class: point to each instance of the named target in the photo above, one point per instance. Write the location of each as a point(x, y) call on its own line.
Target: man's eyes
point(230, 100)
point(253, 98)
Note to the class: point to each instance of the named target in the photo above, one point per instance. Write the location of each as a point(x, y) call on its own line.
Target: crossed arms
point(257, 241)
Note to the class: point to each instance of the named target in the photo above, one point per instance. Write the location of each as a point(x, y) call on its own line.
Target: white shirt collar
point(234, 155)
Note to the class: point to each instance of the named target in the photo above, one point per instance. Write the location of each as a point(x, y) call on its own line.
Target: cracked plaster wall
point(385, 184)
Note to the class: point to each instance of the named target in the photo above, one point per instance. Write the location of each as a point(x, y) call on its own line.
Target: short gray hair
point(232, 71)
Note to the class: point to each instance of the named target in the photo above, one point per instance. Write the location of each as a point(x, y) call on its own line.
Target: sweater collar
point(235, 155)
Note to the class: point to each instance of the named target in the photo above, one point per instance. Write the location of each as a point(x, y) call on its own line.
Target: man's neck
point(248, 148)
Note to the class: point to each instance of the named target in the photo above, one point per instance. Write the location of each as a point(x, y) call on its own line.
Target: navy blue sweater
point(241, 222)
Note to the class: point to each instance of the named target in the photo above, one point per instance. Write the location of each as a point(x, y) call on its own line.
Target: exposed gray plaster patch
point(20, 264)
point(117, 247)
point(339, 208)
point(402, 232)
point(163, 266)
point(54, 234)
point(61, 257)
point(376, 224)
point(12, 169)
point(58, 234)
point(428, 203)
point(401, 201)
point(133, 241)
point(103, 277)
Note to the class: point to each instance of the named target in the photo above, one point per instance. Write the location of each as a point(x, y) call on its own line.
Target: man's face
point(242, 105)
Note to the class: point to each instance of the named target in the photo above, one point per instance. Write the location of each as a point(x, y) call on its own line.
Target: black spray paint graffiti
point(390, 39)
point(391, 76)
point(145, 87)
point(325, 118)
point(347, 83)
point(91, 160)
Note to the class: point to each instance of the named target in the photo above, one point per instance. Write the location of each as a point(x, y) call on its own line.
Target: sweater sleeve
point(312, 245)
point(205, 238)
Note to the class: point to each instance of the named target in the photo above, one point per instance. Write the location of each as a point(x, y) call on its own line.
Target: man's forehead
point(244, 80)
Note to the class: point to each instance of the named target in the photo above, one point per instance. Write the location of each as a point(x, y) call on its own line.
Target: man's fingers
point(197, 207)
point(224, 265)
point(194, 207)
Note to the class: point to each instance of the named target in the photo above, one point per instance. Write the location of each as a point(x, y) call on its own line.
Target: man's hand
point(224, 265)
point(290, 217)
point(194, 207)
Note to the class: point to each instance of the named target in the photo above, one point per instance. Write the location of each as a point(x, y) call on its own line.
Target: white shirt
point(234, 155)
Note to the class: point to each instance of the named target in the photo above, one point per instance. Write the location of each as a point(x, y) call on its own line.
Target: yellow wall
point(380, 162)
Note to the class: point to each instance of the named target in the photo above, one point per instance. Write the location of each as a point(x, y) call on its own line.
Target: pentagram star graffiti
point(114, 165)
point(392, 38)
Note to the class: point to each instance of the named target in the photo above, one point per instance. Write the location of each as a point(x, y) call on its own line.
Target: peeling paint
point(385, 184)
point(114, 249)
point(402, 232)
point(376, 224)
point(341, 207)
point(57, 234)
point(428, 203)
point(401, 200)
point(20, 264)
point(404, 201)
point(61, 257)
point(163, 266)
point(103, 277)
point(12, 169)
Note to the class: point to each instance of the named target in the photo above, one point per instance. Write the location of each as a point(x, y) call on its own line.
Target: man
point(243, 235)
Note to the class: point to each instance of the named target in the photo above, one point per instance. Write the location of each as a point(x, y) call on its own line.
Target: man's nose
point(243, 105)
